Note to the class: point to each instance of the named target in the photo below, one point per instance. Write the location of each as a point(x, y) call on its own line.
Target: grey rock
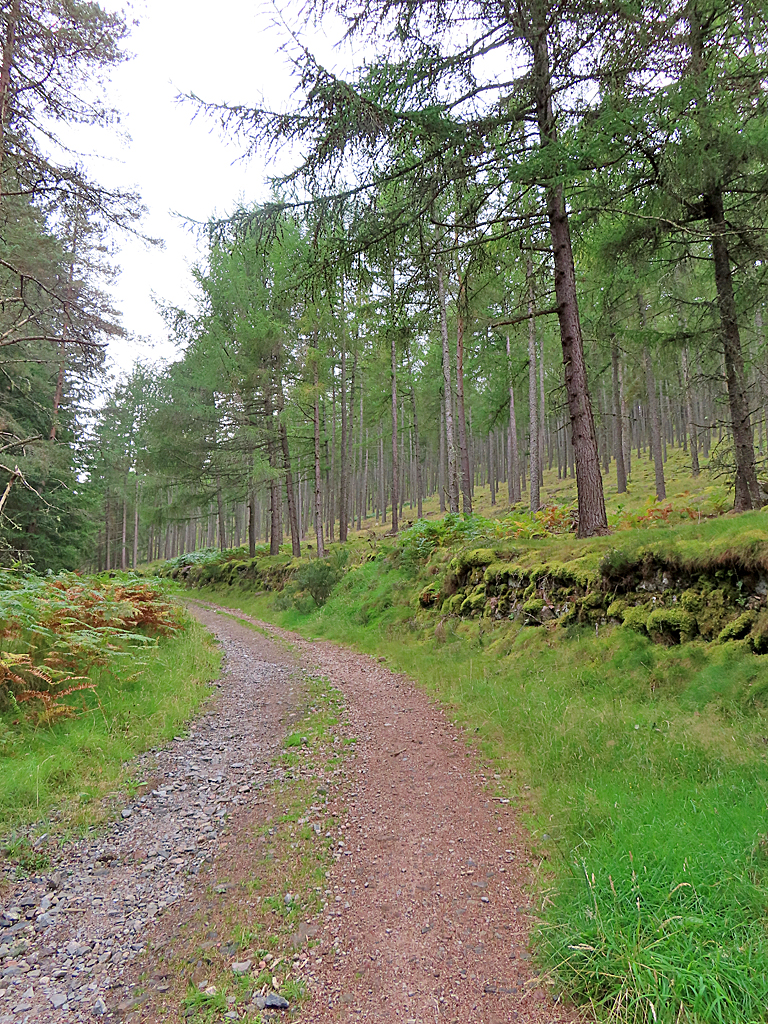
point(75, 948)
point(57, 999)
point(44, 921)
point(272, 1001)
point(126, 812)
point(241, 966)
point(99, 1007)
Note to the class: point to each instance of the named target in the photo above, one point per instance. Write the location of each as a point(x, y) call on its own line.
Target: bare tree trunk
point(395, 464)
point(361, 508)
point(747, 494)
point(589, 482)
point(453, 491)
point(513, 470)
point(220, 513)
point(137, 492)
point(318, 473)
point(343, 482)
point(466, 478)
point(618, 432)
point(690, 423)
point(9, 46)
point(124, 546)
point(107, 514)
point(417, 456)
point(542, 413)
point(653, 410)
point(533, 417)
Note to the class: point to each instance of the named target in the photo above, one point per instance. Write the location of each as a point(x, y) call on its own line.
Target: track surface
point(432, 913)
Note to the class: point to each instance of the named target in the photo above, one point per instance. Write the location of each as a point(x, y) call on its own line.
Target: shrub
point(318, 578)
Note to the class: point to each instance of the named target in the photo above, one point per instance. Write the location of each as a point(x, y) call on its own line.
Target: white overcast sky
point(223, 51)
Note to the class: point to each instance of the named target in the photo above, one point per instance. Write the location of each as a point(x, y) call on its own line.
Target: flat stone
point(57, 999)
point(272, 1001)
point(241, 966)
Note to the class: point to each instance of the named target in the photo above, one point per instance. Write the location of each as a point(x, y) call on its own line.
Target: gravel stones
point(73, 941)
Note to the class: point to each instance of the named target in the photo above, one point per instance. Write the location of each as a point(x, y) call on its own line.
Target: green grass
point(62, 770)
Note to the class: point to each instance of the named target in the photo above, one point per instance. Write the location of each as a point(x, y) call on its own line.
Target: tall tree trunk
point(362, 511)
point(253, 522)
point(124, 545)
point(416, 455)
point(534, 418)
point(513, 469)
point(453, 490)
point(653, 411)
point(589, 482)
point(618, 431)
point(747, 490)
point(293, 519)
point(542, 413)
point(9, 47)
point(395, 464)
point(690, 421)
point(107, 514)
point(466, 478)
point(318, 472)
point(626, 432)
point(137, 492)
point(220, 513)
point(343, 482)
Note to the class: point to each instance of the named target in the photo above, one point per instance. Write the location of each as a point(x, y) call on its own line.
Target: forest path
point(430, 913)
point(424, 915)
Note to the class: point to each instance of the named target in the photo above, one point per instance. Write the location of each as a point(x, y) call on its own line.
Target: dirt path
point(426, 916)
point(75, 942)
point(431, 917)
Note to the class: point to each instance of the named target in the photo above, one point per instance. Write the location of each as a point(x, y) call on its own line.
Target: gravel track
point(430, 913)
point(74, 942)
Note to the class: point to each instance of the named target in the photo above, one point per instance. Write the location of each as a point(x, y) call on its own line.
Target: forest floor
point(360, 865)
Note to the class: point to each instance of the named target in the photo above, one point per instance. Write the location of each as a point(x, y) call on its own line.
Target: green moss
point(737, 629)
point(466, 560)
point(714, 614)
point(616, 609)
point(636, 618)
point(692, 601)
point(497, 573)
point(671, 625)
point(430, 595)
point(532, 610)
